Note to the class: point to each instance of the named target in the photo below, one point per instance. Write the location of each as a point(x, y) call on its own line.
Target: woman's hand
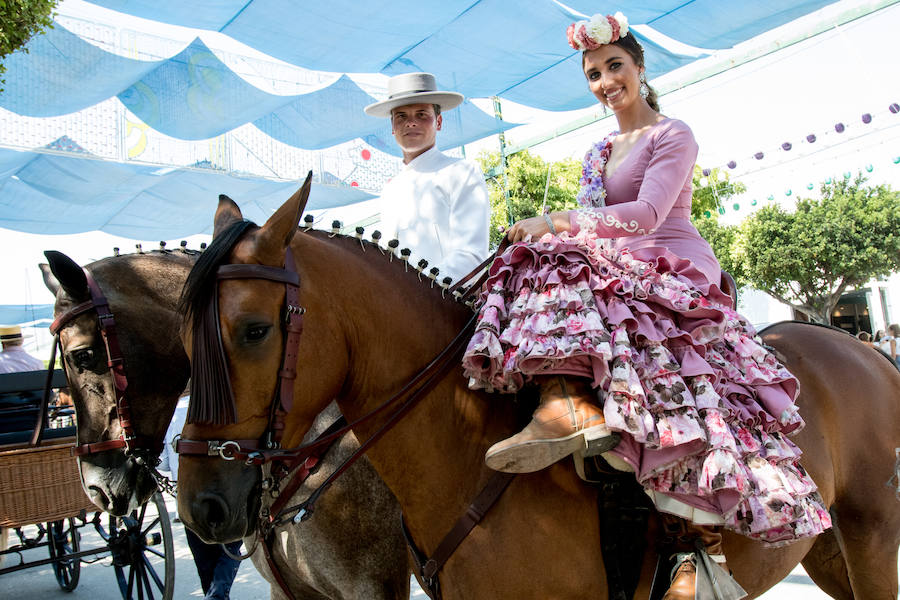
point(537, 227)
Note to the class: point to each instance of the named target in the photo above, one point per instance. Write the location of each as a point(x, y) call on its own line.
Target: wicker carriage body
point(39, 485)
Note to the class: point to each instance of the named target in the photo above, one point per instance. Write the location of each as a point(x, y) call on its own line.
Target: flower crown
point(598, 31)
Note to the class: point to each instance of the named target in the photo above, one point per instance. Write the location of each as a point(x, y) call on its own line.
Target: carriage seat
point(728, 286)
point(20, 402)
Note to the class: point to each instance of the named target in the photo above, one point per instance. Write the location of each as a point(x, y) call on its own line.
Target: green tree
point(19, 20)
point(709, 197)
point(808, 257)
point(527, 177)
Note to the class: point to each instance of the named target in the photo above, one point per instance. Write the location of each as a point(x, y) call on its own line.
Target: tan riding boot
point(566, 420)
point(684, 576)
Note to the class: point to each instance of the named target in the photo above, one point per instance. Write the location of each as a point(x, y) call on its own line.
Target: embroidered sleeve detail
point(605, 224)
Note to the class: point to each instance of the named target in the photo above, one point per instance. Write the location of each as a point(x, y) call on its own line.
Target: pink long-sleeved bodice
point(648, 200)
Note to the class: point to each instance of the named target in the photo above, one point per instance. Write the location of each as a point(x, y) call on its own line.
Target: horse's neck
point(432, 459)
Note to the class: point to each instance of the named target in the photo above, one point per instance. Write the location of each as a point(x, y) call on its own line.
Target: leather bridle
point(128, 441)
point(301, 459)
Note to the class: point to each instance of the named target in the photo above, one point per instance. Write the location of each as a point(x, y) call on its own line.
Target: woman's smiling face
point(613, 76)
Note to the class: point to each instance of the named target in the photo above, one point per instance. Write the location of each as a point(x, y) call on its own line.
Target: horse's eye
point(85, 358)
point(256, 333)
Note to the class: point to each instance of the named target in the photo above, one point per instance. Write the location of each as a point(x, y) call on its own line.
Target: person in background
point(13, 358)
point(890, 341)
point(437, 205)
point(866, 338)
point(216, 569)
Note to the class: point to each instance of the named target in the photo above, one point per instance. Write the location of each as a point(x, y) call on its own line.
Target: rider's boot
point(684, 575)
point(567, 420)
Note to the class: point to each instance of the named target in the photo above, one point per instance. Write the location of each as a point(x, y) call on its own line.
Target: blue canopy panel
point(25, 313)
point(479, 49)
point(341, 35)
point(51, 194)
point(709, 23)
point(195, 96)
point(62, 74)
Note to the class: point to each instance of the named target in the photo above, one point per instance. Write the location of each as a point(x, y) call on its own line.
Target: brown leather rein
point(128, 441)
point(268, 450)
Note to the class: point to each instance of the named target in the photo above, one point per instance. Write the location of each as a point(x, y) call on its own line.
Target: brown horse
point(353, 548)
point(370, 326)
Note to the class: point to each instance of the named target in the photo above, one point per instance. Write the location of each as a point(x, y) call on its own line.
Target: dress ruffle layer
point(703, 407)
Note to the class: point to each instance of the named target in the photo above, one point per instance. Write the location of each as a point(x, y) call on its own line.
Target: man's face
point(415, 128)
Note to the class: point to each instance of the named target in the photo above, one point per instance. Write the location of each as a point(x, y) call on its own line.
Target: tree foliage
point(19, 20)
point(810, 256)
point(527, 177)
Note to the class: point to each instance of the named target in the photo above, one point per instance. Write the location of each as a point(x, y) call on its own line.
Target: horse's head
point(235, 336)
point(142, 292)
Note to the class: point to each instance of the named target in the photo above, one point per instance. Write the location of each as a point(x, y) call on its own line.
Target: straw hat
point(413, 88)
point(10, 333)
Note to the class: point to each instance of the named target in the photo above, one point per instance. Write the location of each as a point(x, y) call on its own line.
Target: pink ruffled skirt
point(704, 409)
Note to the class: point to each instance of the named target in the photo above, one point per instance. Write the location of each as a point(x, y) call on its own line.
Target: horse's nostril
point(212, 510)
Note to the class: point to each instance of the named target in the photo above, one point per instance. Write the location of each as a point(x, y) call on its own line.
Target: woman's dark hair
point(630, 45)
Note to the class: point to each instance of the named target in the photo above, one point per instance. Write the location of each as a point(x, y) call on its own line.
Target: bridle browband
point(128, 441)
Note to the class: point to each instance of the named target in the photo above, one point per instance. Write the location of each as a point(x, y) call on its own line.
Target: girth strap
point(429, 568)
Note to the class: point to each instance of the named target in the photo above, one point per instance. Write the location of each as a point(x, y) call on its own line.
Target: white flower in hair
point(598, 31)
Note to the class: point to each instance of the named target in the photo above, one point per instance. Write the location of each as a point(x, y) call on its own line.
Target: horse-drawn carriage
point(42, 502)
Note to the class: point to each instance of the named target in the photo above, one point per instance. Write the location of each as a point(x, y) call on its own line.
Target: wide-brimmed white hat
point(413, 88)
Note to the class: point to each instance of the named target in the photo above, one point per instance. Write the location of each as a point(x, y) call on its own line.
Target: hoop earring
point(644, 91)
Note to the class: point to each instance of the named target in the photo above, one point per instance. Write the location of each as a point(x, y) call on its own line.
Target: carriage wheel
point(142, 552)
point(61, 543)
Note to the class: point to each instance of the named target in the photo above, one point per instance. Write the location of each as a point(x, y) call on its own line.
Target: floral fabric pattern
point(704, 409)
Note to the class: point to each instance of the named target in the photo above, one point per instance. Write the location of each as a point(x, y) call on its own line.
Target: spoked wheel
point(63, 542)
point(142, 552)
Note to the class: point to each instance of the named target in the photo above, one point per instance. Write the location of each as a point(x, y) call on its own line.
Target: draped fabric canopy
point(481, 48)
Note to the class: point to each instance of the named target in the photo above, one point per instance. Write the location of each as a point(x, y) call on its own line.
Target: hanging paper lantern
point(867, 118)
point(731, 164)
point(847, 175)
point(758, 156)
point(736, 206)
point(354, 184)
point(721, 210)
point(894, 108)
point(706, 172)
point(771, 197)
point(828, 181)
point(897, 160)
point(366, 155)
point(788, 192)
point(869, 168)
point(809, 186)
point(811, 138)
point(707, 214)
point(786, 146)
point(839, 127)
point(753, 202)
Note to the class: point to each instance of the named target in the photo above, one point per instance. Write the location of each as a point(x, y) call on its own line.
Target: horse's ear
point(50, 280)
point(67, 275)
point(281, 226)
point(227, 213)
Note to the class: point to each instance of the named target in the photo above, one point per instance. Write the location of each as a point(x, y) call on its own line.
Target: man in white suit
point(437, 205)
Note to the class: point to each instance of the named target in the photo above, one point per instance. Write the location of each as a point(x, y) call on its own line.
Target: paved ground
point(98, 580)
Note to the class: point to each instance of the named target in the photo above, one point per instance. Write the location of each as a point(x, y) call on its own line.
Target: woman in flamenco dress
point(615, 311)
